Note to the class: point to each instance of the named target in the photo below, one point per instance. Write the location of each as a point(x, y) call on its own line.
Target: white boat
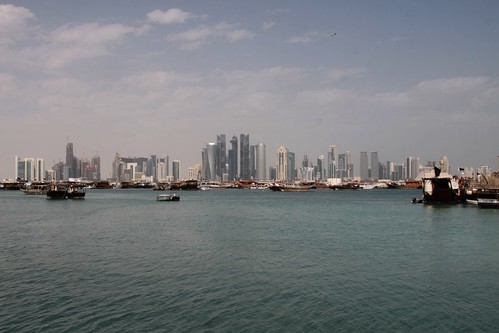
point(168, 197)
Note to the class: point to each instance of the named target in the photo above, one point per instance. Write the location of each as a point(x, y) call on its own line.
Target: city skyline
point(398, 78)
point(219, 164)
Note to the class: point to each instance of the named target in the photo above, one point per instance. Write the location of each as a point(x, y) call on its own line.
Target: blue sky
point(404, 78)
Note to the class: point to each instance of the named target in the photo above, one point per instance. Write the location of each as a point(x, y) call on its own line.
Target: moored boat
point(35, 188)
point(295, 187)
point(488, 195)
point(488, 198)
point(75, 192)
point(57, 192)
point(168, 197)
point(441, 188)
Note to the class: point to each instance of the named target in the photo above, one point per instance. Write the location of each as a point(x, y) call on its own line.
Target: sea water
point(247, 261)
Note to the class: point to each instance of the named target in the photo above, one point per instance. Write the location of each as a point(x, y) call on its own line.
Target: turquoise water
point(247, 261)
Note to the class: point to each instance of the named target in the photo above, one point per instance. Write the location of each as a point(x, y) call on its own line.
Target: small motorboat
point(168, 197)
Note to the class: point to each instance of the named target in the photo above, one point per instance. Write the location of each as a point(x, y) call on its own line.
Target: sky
point(402, 78)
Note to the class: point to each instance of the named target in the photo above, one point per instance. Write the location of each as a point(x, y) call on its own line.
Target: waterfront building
point(375, 167)
point(40, 169)
point(349, 164)
point(127, 169)
point(272, 172)
point(233, 154)
point(331, 162)
point(221, 167)
point(261, 163)
point(25, 168)
point(209, 162)
point(364, 167)
point(176, 170)
point(291, 173)
point(194, 172)
point(282, 164)
point(244, 168)
point(342, 168)
point(319, 172)
point(252, 162)
point(444, 163)
point(70, 170)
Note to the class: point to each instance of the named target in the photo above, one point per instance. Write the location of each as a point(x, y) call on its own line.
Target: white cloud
point(159, 80)
point(170, 16)
point(305, 39)
point(240, 34)
point(195, 36)
point(339, 74)
point(91, 33)
point(268, 25)
point(72, 43)
point(14, 22)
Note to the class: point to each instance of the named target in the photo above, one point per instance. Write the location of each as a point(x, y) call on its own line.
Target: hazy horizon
point(402, 78)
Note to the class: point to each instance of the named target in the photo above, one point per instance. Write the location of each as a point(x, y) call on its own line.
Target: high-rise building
point(40, 169)
point(252, 162)
point(291, 173)
point(364, 167)
point(26, 169)
point(282, 164)
point(331, 162)
point(375, 174)
point(222, 156)
point(176, 169)
point(342, 167)
point(209, 162)
point(444, 162)
point(349, 164)
point(319, 172)
point(408, 168)
point(244, 168)
point(70, 162)
point(233, 154)
point(261, 163)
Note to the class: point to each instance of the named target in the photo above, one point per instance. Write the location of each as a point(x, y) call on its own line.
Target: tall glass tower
point(233, 154)
point(331, 162)
point(245, 157)
point(375, 174)
point(261, 164)
point(282, 164)
point(364, 167)
point(69, 161)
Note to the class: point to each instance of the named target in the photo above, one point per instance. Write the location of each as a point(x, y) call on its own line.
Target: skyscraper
point(375, 175)
point(222, 156)
point(252, 162)
point(233, 154)
point(349, 164)
point(342, 167)
point(40, 169)
point(176, 169)
point(26, 168)
point(291, 173)
point(331, 162)
point(282, 164)
point(364, 167)
point(245, 157)
point(210, 162)
point(70, 167)
point(319, 175)
point(408, 165)
point(261, 164)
